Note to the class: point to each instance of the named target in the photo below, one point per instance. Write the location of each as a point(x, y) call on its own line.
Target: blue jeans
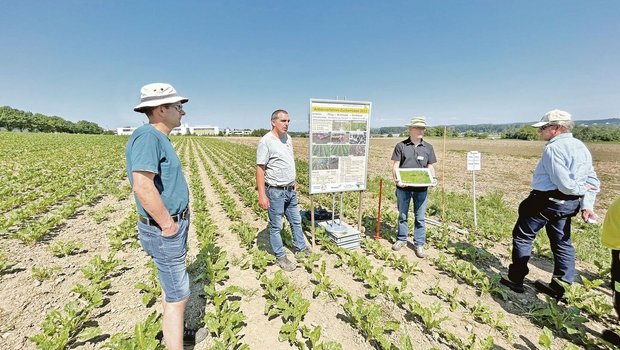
point(535, 212)
point(403, 198)
point(283, 203)
point(168, 254)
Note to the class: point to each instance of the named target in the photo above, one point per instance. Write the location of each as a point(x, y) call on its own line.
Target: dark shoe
point(514, 286)
point(285, 264)
point(303, 253)
point(419, 251)
point(611, 337)
point(553, 289)
point(399, 244)
point(194, 336)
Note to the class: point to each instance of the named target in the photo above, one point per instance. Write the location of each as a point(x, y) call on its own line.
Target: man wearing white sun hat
point(162, 198)
point(563, 184)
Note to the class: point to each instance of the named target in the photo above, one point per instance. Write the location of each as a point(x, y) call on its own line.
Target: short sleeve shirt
point(149, 150)
point(414, 156)
point(410, 155)
point(277, 156)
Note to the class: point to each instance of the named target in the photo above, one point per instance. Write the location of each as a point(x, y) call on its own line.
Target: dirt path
point(263, 334)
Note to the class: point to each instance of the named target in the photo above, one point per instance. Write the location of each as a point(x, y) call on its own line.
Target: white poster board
point(339, 140)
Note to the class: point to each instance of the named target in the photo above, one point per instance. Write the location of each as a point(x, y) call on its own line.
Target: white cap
point(555, 115)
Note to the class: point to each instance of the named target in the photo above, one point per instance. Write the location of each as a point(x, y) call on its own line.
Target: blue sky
point(455, 62)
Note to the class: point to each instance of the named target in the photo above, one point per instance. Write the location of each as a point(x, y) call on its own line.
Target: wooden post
point(378, 227)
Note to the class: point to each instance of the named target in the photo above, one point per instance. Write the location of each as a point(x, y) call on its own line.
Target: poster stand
point(341, 233)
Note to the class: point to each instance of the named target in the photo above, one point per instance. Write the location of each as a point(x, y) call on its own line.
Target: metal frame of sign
point(327, 157)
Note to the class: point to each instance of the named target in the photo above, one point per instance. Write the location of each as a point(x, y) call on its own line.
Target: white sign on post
point(474, 161)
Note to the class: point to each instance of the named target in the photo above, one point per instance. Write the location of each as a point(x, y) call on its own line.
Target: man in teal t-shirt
point(162, 198)
point(149, 150)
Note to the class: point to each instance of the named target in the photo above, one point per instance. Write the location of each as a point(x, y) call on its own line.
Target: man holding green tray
point(413, 153)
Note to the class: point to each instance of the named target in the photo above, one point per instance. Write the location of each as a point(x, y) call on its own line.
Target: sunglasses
point(177, 107)
point(545, 127)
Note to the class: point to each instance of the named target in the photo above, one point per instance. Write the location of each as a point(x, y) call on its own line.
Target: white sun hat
point(555, 115)
point(417, 122)
point(157, 94)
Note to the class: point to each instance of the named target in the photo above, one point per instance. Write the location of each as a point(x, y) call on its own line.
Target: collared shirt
point(566, 165)
point(277, 156)
point(411, 155)
point(148, 149)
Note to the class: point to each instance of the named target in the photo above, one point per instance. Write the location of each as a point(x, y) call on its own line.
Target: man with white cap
point(563, 184)
point(413, 152)
point(162, 199)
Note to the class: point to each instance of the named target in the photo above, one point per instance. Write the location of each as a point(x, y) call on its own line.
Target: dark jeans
point(553, 211)
point(615, 279)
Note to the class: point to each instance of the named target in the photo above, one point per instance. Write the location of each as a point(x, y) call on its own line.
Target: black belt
point(285, 188)
point(556, 194)
point(151, 222)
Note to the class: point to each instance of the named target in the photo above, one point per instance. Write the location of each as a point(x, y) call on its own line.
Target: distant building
point(184, 129)
point(127, 130)
point(180, 130)
point(238, 132)
point(204, 130)
point(385, 135)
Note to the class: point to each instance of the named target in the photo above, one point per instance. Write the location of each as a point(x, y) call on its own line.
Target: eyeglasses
point(177, 107)
point(545, 127)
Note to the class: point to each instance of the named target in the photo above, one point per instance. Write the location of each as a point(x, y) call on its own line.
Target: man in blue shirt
point(162, 197)
point(564, 183)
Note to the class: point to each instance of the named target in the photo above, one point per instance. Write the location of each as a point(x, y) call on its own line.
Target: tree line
point(13, 119)
point(594, 133)
point(402, 131)
point(583, 133)
point(605, 130)
point(608, 132)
